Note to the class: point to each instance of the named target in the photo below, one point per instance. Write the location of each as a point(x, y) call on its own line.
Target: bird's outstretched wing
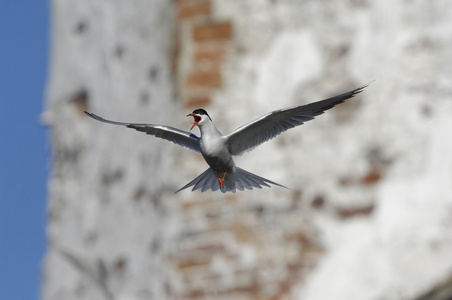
point(272, 124)
point(179, 137)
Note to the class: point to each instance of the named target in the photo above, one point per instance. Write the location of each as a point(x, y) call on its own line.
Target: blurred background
point(369, 210)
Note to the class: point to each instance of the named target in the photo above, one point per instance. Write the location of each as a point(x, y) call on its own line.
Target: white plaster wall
point(111, 211)
point(288, 52)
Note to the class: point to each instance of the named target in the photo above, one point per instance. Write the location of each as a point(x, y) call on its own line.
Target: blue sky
point(24, 150)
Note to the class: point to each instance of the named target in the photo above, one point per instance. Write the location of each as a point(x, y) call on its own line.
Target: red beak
point(196, 121)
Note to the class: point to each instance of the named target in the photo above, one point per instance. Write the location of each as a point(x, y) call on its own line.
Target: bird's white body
point(214, 149)
point(213, 142)
point(216, 153)
point(218, 150)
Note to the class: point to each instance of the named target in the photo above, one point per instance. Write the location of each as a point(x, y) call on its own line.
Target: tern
point(218, 150)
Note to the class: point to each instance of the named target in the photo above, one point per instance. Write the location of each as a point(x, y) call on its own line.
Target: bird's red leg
point(221, 180)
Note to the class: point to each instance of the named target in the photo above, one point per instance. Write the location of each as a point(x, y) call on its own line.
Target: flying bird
point(218, 150)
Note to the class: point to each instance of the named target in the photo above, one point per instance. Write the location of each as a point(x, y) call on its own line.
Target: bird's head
point(200, 116)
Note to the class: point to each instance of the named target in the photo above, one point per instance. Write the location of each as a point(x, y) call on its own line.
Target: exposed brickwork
point(229, 250)
point(203, 46)
point(212, 258)
point(212, 31)
point(204, 79)
point(193, 9)
point(116, 230)
point(372, 177)
point(195, 102)
point(350, 212)
point(212, 55)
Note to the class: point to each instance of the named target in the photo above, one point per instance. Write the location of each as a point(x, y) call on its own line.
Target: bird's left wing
point(272, 124)
point(177, 136)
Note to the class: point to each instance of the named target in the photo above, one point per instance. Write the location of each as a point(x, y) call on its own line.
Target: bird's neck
point(209, 131)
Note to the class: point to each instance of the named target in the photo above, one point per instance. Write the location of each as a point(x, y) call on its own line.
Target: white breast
point(213, 146)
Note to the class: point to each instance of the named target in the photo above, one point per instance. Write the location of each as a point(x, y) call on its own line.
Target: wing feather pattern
point(177, 136)
point(253, 134)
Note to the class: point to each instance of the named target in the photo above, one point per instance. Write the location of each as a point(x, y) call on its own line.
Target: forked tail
point(241, 180)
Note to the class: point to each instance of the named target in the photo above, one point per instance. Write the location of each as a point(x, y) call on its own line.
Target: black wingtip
point(96, 117)
point(92, 116)
point(360, 89)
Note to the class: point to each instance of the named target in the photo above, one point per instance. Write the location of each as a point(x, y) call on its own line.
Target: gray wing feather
point(177, 136)
point(253, 134)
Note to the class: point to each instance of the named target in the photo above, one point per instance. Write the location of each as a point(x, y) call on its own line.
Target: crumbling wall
point(369, 212)
point(111, 216)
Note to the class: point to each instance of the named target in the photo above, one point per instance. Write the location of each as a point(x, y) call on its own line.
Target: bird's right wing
point(177, 136)
point(272, 124)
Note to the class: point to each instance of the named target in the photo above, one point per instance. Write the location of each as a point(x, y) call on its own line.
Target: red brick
point(198, 102)
point(193, 9)
point(193, 263)
point(206, 79)
point(346, 213)
point(371, 178)
point(212, 31)
point(216, 55)
point(300, 238)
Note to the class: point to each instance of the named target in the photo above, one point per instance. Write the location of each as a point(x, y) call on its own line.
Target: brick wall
point(203, 47)
point(233, 250)
point(362, 200)
point(229, 248)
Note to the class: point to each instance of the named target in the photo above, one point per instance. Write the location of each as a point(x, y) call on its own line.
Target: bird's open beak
point(197, 120)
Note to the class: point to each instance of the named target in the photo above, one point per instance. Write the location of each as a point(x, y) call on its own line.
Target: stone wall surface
point(369, 210)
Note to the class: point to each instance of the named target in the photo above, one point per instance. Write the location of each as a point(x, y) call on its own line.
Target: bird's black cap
point(201, 111)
